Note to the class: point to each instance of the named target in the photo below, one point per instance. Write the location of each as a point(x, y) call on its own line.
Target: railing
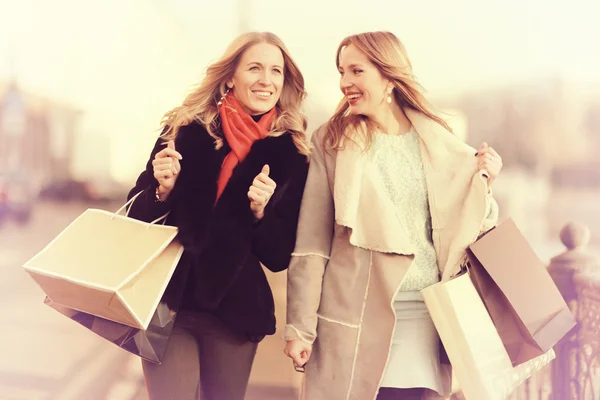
point(575, 373)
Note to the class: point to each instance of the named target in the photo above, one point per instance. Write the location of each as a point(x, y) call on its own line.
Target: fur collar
point(451, 173)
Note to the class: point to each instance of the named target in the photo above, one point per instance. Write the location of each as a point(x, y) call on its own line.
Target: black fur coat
point(223, 245)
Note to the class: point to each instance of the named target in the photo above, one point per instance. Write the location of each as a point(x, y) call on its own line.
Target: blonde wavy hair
point(388, 54)
point(201, 104)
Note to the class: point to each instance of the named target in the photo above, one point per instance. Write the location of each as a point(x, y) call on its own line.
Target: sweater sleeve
point(492, 212)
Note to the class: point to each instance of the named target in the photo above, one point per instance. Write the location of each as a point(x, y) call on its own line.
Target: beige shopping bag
point(109, 265)
point(479, 359)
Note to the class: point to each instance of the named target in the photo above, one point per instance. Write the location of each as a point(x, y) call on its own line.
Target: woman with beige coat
point(392, 200)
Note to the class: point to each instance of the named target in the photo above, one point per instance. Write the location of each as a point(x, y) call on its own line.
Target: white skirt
point(414, 356)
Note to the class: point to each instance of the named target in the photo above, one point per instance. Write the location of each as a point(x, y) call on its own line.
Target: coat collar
point(451, 174)
point(357, 189)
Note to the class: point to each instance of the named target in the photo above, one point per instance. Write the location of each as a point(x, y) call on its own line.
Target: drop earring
point(223, 97)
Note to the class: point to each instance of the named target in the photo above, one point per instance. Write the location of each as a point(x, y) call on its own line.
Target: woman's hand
point(298, 351)
point(166, 168)
point(489, 162)
point(260, 192)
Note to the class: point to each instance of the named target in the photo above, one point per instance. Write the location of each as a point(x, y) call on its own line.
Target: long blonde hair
point(388, 54)
point(201, 104)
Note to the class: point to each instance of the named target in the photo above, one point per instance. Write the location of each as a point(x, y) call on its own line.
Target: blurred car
point(18, 194)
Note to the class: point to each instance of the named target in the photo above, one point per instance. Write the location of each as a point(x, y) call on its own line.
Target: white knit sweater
point(398, 160)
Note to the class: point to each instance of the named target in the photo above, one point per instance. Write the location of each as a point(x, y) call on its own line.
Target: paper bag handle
point(130, 201)
point(163, 217)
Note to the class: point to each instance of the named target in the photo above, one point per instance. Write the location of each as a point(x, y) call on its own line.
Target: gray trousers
point(204, 360)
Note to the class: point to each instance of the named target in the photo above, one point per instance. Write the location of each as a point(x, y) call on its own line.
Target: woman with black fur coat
point(230, 168)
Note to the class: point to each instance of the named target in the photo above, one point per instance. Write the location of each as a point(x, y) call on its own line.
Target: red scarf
point(240, 131)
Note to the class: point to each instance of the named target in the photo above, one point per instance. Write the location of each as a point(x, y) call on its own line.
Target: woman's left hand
point(489, 162)
point(260, 192)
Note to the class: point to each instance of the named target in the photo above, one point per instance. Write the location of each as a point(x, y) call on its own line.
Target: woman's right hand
point(166, 168)
point(298, 351)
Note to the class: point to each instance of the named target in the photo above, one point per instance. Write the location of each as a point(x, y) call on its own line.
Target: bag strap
point(130, 201)
point(164, 219)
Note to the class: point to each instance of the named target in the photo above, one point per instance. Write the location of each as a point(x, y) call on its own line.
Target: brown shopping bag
point(108, 265)
point(528, 311)
point(478, 357)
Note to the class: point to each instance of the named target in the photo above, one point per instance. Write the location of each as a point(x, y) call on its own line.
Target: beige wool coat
point(352, 253)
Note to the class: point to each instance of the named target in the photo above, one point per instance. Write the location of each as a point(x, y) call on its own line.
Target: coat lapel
point(358, 188)
point(456, 192)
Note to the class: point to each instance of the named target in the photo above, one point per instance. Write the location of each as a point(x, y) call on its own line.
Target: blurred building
point(36, 135)
point(547, 132)
point(536, 126)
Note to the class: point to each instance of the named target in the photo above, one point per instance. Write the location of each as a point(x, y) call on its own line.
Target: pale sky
point(125, 63)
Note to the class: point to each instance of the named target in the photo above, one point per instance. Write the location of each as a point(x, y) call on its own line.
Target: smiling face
point(364, 88)
point(258, 78)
